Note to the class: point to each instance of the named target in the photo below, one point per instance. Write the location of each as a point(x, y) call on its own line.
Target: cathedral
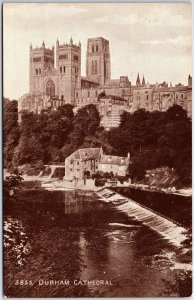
point(59, 82)
point(53, 83)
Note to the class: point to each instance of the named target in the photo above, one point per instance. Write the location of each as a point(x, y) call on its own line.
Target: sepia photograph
point(97, 150)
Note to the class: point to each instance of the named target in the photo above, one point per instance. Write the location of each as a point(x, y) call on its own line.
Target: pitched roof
point(89, 153)
point(114, 160)
point(86, 154)
point(88, 79)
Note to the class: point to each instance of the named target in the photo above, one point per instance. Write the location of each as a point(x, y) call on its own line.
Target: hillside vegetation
point(154, 139)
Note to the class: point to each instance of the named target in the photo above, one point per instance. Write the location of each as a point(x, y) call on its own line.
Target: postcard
point(97, 152)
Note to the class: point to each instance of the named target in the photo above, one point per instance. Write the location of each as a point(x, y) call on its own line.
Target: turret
point(189, 81)
point(138, 83)
point(143, 81)
point(57, 43)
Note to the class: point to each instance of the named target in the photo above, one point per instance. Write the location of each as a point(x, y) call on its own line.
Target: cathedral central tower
point(98, 66)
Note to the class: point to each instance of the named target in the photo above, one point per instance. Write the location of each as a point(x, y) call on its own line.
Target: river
point(61, 244)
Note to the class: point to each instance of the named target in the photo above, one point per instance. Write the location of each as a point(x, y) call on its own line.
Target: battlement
point(97, 39)
point(64, 45)
point(42, 48)
point(68, 45)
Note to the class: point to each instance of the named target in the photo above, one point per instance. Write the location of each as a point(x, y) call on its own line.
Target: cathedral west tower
point(68, 65)
point(40, 60)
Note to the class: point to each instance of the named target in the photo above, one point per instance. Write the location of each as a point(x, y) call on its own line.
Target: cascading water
point(164, 226)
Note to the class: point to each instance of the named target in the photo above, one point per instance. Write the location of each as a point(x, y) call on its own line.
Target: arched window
point(62, 97)
point(97, 48)
point(36, 71)
point(50, 88)
point(92, 48)
point(92, 67)
point(63, 69)
point(39, 71)
point(96, 71)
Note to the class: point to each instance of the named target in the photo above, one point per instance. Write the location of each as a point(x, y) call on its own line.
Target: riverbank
point(52, 184)
point(187, 192)
point(89, 185)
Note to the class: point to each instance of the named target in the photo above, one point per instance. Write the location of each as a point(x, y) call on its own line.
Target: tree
point(176, 112)
point(12, 185)
point(10, 118)
point(55, 126)
point(86, 121)
point(29, 150)
point(10, 130)
point(155, 139)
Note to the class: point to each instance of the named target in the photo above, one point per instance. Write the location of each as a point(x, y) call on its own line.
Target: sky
point(152, 39)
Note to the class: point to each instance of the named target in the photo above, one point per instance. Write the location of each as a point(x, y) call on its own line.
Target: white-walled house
point(92, 160)
point(116, 164)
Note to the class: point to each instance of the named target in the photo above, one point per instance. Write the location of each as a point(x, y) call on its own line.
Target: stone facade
point(98, 66)
point(81, 161)
point(119, 88)
point(111, 109)
point(55, 86)
point(59, 82)
point(166, 97)
point(91, 160)
point(142, 98)
point(115, 164)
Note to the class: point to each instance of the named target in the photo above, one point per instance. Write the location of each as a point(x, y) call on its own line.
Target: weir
point(169, 229)
point(53, 169)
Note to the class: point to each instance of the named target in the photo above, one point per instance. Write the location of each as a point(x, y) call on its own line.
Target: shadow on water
point(63, 236)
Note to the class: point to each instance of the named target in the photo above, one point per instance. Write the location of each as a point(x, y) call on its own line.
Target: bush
point(59, 173)
point(12, 185)
point(100, 182)
point(121, 179)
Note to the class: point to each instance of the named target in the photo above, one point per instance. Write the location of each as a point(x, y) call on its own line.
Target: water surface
point(70, 240)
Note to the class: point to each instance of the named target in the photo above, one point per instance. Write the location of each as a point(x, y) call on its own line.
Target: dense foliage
point(12, 185)
point(154, 139)
point(48, 137)
point(10, 130)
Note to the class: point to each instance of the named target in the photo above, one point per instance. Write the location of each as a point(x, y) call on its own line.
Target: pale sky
point(152, 39)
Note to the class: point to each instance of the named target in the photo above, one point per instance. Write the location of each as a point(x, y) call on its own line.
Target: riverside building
point(91, 160)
